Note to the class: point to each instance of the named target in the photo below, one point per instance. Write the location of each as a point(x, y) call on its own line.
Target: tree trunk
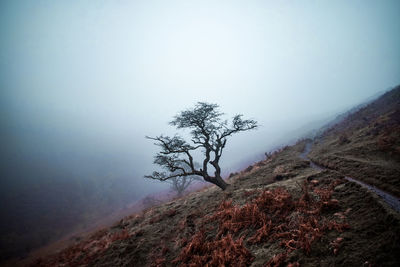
point(218, 181)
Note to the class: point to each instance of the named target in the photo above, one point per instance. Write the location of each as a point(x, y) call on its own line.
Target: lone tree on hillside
point(209, 134)
point(181, 183)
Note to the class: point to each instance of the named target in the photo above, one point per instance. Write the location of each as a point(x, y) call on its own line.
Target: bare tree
point(180, 184)
point(209, 134)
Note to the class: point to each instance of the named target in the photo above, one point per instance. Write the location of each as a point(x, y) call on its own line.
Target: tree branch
point(162, 176)
point(208, 132)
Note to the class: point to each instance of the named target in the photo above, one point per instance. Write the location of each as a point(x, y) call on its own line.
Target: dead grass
point(366, 145)
point(273, 216)
point(303, 220)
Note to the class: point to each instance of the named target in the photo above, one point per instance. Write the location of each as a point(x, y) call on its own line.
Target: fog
point(82, 83)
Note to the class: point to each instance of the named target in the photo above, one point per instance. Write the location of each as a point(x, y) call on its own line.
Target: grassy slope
point(279, 212)
point(161, 234)
point(366, 145)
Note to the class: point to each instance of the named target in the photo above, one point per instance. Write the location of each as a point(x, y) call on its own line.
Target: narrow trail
point(392, 201)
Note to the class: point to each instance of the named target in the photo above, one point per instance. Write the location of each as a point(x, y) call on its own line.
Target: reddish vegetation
point(86, 251)
point(272, 216)
point(224, 237)
point(167, 214)
point(223, 251)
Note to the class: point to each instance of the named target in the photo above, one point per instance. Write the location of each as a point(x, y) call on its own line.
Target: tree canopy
point(209, 133)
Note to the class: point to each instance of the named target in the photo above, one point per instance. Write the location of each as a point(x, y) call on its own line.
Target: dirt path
point(391, 200)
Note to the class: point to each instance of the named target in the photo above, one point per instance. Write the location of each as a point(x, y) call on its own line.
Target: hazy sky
point(89, 79)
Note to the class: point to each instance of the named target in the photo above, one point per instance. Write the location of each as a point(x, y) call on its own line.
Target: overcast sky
point(89, 79)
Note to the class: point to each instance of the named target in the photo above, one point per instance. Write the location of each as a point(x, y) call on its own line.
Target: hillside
point(366, 144)
point(282, 211)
